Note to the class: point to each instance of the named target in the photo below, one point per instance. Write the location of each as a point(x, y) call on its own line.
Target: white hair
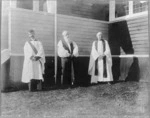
point(31, 31)
point(98, 34)
point(64, 32)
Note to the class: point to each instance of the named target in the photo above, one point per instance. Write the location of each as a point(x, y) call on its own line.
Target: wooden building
point(124, 25)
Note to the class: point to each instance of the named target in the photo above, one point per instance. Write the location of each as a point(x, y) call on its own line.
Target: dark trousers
point(67, 76)
point(35, 85)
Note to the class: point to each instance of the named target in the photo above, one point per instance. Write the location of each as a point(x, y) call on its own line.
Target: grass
point(98, 101)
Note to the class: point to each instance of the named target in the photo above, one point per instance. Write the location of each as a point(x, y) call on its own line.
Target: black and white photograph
point(75, 59)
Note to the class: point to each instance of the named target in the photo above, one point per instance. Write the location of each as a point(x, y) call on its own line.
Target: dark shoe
point(30, 86)
point(39, 85)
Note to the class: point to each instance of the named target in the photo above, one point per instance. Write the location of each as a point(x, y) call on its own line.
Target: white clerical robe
point(33, 69)
point(62, 52)
point(94, 55)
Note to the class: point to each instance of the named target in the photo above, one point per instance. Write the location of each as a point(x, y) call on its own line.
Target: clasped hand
point(70, 55)
point(35, 58)
point(101, 56)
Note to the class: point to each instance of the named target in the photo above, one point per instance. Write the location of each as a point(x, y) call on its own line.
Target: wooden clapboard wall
point(94, 9)
point(24, 20)
point(138, 28)
point(82, 30)
point(4, 25)
point(128, 35)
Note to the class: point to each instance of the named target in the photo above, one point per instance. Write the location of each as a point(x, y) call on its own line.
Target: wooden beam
point(149, 24)
point(51, 4)
point(52, 8)
point(13, 3)
point(112, 10)
point(35, 5)
point(130, 7)
point(55, 10)
point(45, 6)
point(0, 18)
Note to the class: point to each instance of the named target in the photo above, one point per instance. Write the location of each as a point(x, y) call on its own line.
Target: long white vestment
point(94, 55)
point(33, 69)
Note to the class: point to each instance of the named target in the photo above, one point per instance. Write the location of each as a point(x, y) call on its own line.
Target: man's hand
point(100, 56)
point(32, 58)
point(37, 58)
point(68, 54)
point(105, 53)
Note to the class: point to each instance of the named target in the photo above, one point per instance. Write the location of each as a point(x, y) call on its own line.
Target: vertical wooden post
point(1, 85)
point(55, 41)
point(149, 42)
point(149, 24)
point(112, 5)
point(45, 6)
point(52, 8)
point(35, 5)
point(13, 3)
point(130, 7)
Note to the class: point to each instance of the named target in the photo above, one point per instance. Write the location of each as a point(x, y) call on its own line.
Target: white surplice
point(62, 52)
point(33, 69)
point(94, 55)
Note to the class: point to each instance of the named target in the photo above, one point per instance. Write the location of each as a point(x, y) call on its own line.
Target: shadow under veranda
point(24, 87)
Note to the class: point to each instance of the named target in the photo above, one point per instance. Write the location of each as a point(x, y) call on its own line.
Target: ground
point(120, 100)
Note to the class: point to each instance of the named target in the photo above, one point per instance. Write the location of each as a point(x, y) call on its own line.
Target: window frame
point(131, 13)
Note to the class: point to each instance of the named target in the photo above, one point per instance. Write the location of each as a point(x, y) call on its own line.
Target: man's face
point(66, 35)
point(31, 35)
point(99, 36)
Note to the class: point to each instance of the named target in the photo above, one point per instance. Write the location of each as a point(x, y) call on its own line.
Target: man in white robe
point(34, 60)
point(100, 61)
point(68, 51)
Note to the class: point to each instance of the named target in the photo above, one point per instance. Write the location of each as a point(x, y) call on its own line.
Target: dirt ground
point(121, 100)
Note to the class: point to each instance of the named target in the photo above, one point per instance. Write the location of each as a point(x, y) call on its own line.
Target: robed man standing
point(34, 60)
point(100, 61)
point(68, 51)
